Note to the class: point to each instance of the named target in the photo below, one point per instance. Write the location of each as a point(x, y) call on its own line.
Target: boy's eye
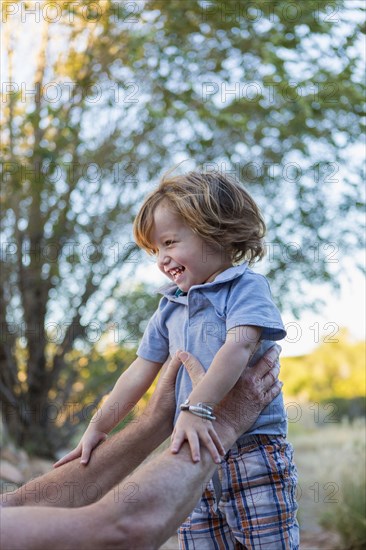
point(168, 243)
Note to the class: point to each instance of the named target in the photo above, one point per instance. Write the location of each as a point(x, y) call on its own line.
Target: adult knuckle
point(257, 391)
point(268, 361)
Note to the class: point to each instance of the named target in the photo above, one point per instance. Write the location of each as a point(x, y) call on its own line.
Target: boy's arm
point(224, 372)
point(129, 388)
point(227, 365)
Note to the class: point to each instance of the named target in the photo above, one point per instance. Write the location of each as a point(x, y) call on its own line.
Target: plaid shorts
point(257, 508)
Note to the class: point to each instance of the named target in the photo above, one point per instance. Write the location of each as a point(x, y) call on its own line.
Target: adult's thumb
point(193, 367)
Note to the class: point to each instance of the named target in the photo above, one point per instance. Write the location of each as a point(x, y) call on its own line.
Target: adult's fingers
point(166, 380)
point(268, 361)
point(271, 377)
point(272, 392)
point(193, 367)
point(170, 368)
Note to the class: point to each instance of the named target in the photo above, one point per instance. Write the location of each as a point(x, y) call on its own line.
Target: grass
point(332, 483)
point(349, 515)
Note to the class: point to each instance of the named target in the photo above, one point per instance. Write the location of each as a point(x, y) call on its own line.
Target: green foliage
point(94, 376)
point(333, 373)
point(348, 515)
point(118, 97)
point(330, 459)
point(96, 372)
point(135, 306)
point(350, 407)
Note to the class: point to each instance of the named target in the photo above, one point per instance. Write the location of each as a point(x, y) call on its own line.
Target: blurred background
point(99, 99)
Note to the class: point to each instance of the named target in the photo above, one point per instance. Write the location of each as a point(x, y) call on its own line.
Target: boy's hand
point(195, 430)
point(88, 442)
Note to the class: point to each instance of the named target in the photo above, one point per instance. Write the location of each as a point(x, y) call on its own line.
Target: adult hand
point(255, 389)
point(161, 406)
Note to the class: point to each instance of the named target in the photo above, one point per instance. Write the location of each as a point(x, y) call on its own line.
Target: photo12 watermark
point(70, 11)
point(269, 92)
point(322, 11)
point(269, 171)
point(71, 92)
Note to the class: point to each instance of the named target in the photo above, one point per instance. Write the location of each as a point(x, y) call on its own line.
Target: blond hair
point(215, 207)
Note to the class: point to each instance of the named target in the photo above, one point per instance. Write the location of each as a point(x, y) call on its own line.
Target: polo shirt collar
point(229, 274)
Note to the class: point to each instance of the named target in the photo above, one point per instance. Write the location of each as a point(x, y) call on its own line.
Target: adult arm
point(167, 487)
point(174, 493)
point(75, 485)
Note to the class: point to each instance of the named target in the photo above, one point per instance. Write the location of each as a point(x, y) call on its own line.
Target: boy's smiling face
point(184, 257)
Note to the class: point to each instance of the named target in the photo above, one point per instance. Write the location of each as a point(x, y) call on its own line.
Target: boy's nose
point(163, 259)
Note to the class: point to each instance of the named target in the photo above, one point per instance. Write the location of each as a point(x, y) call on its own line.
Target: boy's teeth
point(175, 271)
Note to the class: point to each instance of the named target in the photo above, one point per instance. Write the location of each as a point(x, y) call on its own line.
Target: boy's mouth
point(175, 272)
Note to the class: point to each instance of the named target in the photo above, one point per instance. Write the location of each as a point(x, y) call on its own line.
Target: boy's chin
point(184, 288)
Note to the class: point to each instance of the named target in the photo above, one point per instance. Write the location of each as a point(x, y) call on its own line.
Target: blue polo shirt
point(198, 322)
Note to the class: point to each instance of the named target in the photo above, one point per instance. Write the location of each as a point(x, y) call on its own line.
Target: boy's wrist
point(95, 426)
point(203, 410)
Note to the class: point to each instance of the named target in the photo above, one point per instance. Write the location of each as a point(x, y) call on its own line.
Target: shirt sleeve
point(154, 345)
point(250, 303)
